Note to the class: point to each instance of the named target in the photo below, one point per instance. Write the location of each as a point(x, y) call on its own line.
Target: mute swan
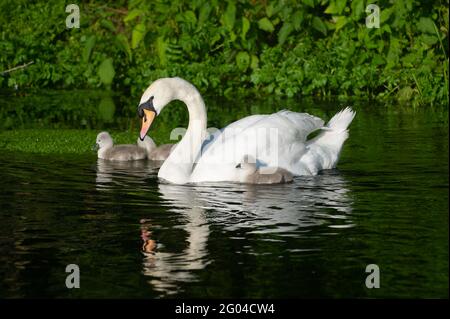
point(274, 140)
point(144, 149)
point(249, 173)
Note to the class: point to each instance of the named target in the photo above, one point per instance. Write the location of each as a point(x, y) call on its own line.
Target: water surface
point(135, 237)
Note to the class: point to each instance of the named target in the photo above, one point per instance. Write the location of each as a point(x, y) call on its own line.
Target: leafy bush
point(283, 47)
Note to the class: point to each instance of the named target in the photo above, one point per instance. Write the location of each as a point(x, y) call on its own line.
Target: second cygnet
point(249, 173)
point(145, 149)
point(155, 153)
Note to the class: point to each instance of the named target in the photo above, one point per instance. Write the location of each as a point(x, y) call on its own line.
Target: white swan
point(276, 140)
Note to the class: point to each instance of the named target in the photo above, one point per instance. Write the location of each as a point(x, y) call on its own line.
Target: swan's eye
point(146, 106)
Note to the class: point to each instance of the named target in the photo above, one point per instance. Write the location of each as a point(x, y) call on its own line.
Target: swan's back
point(304, 123)
point(276, 140)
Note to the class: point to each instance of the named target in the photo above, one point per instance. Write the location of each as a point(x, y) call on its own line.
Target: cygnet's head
point(147, 143)
point(104, 141)
point(247, 165)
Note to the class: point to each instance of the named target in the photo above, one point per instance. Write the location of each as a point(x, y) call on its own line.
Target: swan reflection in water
point(137, 170)
point(280, 210)
point(276, 212)
point(168, 269)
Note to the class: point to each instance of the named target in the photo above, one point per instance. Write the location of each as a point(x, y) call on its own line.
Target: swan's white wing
point(304, 122)
point(240, 124)
point(275, 140)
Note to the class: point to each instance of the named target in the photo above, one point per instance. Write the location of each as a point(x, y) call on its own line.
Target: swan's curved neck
point(177, 168)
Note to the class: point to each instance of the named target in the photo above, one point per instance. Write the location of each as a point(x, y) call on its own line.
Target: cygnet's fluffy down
point(155, 153)
point(249, 173)
point(125, 152)
point(145, 149)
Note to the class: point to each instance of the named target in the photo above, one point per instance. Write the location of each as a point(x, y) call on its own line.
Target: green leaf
point(245, 27)
point(133, 14)
point(385, 14)
point(340, 4)
point(214, 39)
point(426, 25)
point(242, 60)
point(428, 39)
point(161, 46)
point(341, 21)
point(386, 28)
point(137, 35)
point(106, 71)
point(284, 32)
point(275, 21)
point(409, 60)
point(332, 8)
point(189, 17)
point(88, 46)
point(269, 10)
point(393, 53)
point(122, 43)
point(309, 3)
point(254, 63)
point(336, 7)
point(297, 19)
point(203, 15)
point(357, 8)
point(380, 45)
point(378, 59)
point(229, 16)
point(134, 3)
point(266, 25)
point(232, 36)
point(107, 24)
point(319, 25)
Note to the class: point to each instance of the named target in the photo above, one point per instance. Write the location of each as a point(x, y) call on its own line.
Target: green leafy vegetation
point(62, 141)
point(288, 48)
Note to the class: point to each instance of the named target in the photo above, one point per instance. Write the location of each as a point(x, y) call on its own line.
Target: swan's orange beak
point(147, 120)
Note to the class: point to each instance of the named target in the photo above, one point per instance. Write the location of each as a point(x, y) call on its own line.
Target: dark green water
point(386, 204)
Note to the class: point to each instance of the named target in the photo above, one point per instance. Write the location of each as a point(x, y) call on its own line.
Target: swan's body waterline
point(284, 146)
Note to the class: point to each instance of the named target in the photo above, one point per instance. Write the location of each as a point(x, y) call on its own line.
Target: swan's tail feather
point(329, 142)
point(341, 120)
